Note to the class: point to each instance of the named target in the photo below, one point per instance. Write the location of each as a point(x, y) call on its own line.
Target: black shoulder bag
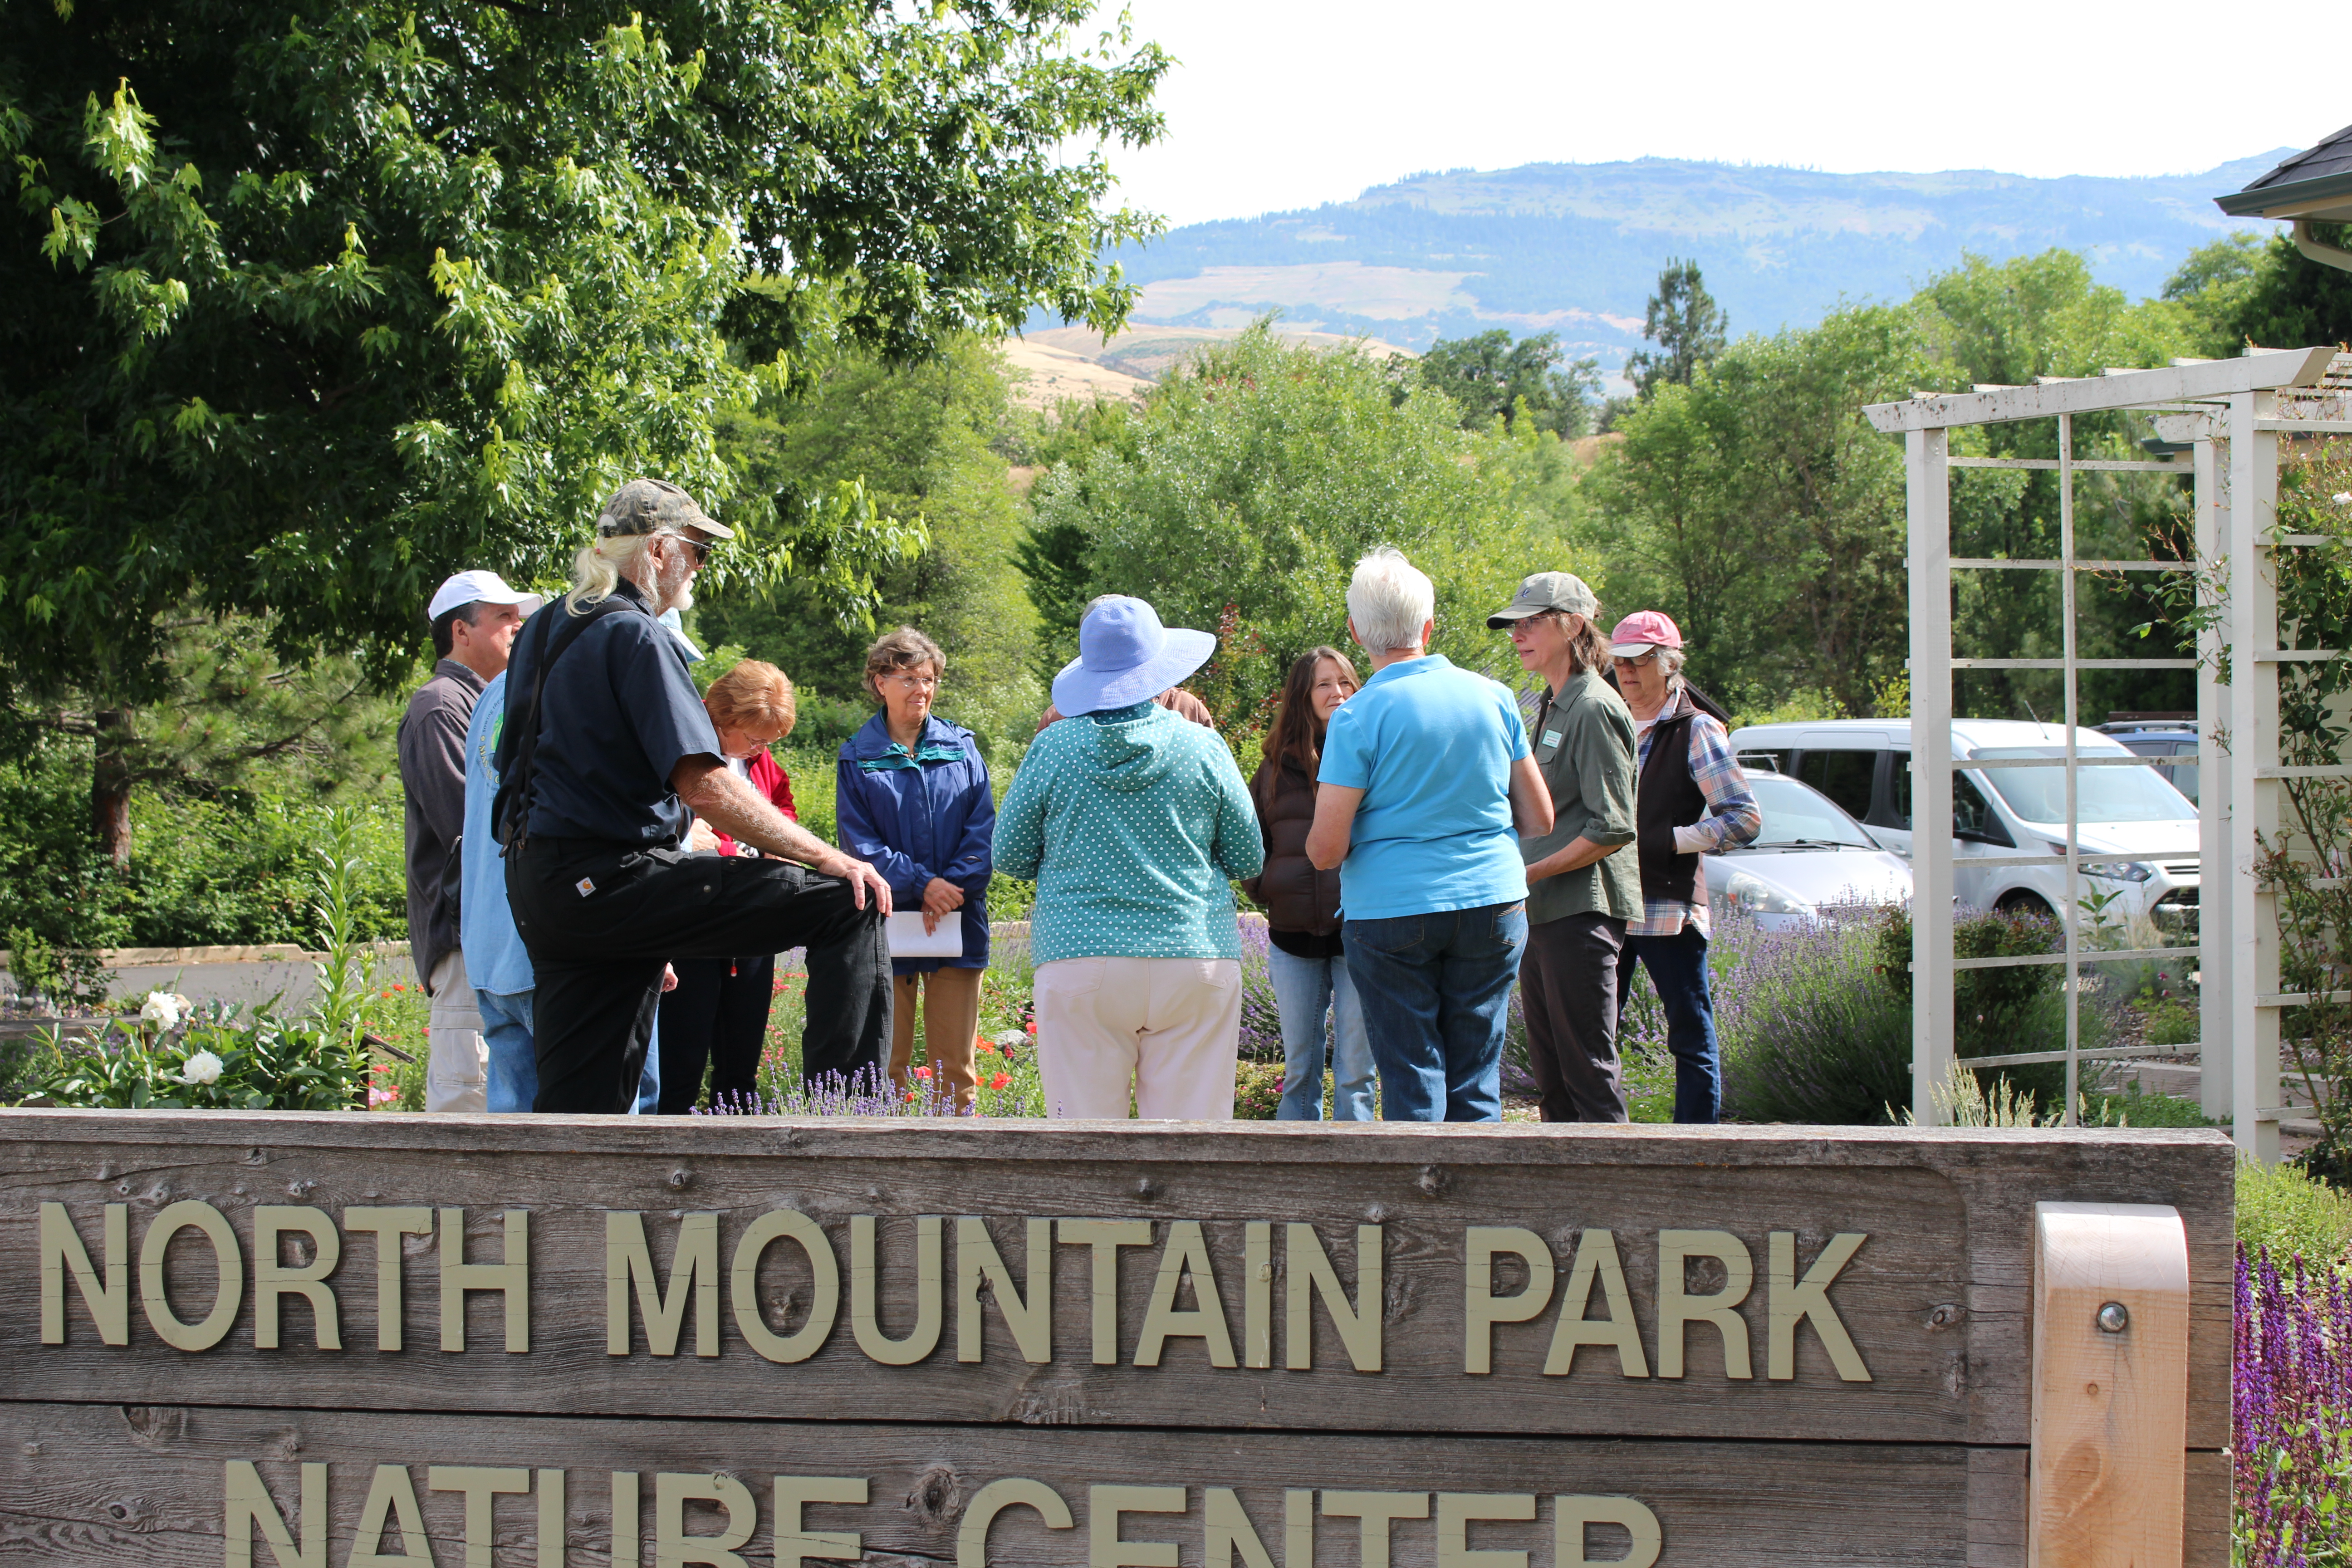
point(510, 811)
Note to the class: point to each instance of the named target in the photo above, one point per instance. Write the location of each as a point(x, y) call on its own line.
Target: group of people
point(602, 863)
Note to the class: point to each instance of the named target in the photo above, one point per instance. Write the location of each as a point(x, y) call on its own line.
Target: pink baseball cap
point(1642, 630)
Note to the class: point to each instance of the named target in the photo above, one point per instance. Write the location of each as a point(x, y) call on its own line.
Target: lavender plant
point(2291, 1441)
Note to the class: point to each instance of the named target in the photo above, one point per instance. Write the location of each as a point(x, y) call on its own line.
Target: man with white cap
point(474, 616)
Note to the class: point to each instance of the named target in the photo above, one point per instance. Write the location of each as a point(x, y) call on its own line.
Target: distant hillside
point(1576, 248)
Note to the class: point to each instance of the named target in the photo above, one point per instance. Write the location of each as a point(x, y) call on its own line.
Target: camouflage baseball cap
point(654, 506)
point(1546, 591)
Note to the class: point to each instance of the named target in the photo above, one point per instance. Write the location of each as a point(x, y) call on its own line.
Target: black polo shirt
point(621, 713)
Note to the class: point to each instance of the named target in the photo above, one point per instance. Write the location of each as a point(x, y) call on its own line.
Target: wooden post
point(2110, 1386)
point(1932, 1015)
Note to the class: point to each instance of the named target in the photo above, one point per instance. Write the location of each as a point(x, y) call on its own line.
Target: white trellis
point(2231, 414)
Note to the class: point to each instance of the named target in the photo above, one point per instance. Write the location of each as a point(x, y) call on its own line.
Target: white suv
point(2144, 830)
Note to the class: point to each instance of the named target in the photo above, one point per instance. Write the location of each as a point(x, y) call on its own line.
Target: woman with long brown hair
point(1304, 956)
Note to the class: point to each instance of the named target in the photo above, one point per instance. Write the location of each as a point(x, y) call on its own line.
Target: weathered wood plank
point(95, 1484)
point(1936, 1300)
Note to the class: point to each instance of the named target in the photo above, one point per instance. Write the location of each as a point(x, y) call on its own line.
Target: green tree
point(2248, 290)
point(1685, 323)
point(1255, 477)
point(923, 440)
point(1490, 377)
point(304, 311)
point(1757, 508)
point(2006, 323)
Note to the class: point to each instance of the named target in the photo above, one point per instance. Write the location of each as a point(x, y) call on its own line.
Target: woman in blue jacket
point(913, 799)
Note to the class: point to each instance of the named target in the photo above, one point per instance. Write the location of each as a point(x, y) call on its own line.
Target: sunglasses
point(701, 547)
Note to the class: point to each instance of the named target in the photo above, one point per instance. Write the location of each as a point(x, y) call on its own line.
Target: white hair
point(1669, 663)
point(1390, 599)
point(600, 564)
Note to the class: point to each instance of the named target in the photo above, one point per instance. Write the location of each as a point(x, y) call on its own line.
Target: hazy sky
point(1277, 104)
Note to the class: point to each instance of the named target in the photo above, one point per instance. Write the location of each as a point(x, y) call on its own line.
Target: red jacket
point(771, 782)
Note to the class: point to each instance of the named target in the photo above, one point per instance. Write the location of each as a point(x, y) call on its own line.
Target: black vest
point(1667, 797)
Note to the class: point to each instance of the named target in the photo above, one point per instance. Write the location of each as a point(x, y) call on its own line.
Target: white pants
point(457, 1063)
point(1170, 1025)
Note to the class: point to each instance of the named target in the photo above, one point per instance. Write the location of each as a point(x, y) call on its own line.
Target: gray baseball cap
point(654, 506)
point(1546, 591)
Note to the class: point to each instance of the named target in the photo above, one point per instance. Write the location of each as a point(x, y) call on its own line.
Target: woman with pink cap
point(1692, 799)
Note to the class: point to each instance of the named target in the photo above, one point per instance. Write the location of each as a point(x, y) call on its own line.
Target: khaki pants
point(457, 1063)
point(950, 1002)
point(1171, 1025)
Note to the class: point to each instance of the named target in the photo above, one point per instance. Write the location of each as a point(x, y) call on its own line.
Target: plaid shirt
point(1732, 815)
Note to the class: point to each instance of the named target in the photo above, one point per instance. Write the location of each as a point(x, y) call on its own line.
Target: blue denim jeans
point(1436, 992)
point(1677, 966)
point(514, 1065)
point(1306, 992)
point(514, 1061)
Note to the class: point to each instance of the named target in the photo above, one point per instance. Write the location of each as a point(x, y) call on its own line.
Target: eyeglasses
point(916, 682)
point(1636, 662)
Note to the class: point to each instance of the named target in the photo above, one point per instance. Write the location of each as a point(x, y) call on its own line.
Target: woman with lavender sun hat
point(1134, 824)
point(1306, 958)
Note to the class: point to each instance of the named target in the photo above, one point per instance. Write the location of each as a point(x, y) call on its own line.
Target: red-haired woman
point(718, 1013)
point(1304, 956)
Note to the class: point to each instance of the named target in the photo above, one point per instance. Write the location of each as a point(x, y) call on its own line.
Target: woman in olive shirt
point(1580, 889)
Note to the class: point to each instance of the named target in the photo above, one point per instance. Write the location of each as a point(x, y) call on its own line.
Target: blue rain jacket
point(920, 816)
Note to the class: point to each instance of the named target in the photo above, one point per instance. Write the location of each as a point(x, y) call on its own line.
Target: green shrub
point(2290, 1212)
point(2004, 1011)
point(221, 1059)
point(2171, 1024)
point(1834, 1048)
point(1257, 1091)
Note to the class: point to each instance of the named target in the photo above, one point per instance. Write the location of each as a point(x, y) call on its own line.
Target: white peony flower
point(2343, 498)
point(203, 1067)
point(162, 1009)
point(1011, 1038)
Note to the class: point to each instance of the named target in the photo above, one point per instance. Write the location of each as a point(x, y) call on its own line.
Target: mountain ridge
point(1577, 248)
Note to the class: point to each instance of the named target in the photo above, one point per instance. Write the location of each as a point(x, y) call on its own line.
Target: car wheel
point(2027, 904)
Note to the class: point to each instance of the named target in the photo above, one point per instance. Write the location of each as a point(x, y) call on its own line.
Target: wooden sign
point(254, 1339)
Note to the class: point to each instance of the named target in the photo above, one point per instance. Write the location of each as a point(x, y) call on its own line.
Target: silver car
point(1809, 856)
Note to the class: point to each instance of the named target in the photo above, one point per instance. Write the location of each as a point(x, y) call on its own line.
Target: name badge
point(1551, 737)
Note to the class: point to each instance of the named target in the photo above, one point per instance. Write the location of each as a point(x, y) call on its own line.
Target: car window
point(1844, 776)
point(1795, 815)
point(2101, 794)
point(2184, 779)
point(1972, 813)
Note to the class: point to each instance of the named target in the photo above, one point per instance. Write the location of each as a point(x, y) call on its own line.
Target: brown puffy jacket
point(1296, 896)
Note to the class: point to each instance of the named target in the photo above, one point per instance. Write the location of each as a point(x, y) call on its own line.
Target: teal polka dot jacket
point(1134, 830)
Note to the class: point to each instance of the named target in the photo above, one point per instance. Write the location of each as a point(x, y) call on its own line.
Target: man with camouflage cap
point(607, 748)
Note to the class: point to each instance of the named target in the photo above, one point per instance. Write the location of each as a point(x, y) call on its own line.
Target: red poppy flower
point(923, 1072)
point(999, 1080)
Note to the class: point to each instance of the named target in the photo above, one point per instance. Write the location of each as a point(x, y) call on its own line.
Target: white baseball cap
point(479, 588)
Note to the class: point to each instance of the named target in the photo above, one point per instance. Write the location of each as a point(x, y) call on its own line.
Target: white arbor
point(2231, 414)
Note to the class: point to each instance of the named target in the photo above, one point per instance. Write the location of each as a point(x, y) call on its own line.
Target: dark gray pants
point(601, 921)
point(1568, 987)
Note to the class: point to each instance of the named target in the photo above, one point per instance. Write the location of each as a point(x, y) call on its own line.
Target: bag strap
point(511, 810)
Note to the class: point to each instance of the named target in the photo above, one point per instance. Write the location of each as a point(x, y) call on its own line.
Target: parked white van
point(2146, 826)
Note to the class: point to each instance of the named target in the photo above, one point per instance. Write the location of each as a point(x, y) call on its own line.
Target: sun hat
point(479, 588)
point(654, 506)
point(1126, 656)
point(1642, 630)
point(1546, 591)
